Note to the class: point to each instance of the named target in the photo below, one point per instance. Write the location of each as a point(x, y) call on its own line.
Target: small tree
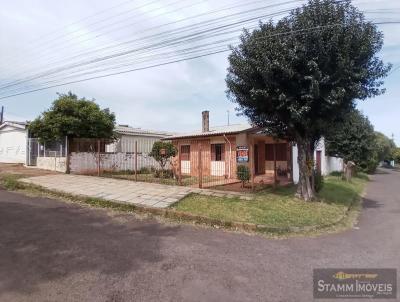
point(162, 152)
point(243, 174)
point(70, 116)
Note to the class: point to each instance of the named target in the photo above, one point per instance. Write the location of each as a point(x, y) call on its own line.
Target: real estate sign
point(242, 154)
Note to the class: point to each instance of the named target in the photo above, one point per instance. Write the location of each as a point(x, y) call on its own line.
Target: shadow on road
point(371, 204)
point(42, 240)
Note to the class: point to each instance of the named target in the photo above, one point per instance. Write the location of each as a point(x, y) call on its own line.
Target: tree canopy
point(385, 147)
point(354, 139)
point(396, 155)
point(70, 116)
point(296, 76)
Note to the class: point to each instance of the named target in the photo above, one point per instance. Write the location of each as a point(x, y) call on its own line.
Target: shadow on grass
point(285, 191)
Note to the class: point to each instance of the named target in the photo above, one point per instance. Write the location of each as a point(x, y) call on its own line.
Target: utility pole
point(2, 115)
point(227, 111)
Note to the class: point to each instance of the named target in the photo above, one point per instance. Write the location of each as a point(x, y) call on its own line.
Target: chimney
point(206, 121)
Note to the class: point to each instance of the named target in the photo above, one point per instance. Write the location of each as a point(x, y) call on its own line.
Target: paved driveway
point(53, 251)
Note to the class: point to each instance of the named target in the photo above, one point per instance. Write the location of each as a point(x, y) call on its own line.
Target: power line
point(291, 32)
point(161, 64)
point(172, 41)
point(123, 53)
point(182, 20)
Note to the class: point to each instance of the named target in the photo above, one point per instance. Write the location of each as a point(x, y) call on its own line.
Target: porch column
point(275, 176)
point(179, 164)
point(251, 158)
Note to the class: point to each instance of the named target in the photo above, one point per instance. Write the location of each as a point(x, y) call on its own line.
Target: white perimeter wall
point(328, 164)
point(13, 145)
point(52, 163)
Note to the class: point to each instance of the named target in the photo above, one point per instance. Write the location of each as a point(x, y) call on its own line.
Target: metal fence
point(37, 149)
point(201, 165)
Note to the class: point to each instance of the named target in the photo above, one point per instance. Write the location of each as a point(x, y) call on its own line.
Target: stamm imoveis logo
point(342, 283)
point(346, 276)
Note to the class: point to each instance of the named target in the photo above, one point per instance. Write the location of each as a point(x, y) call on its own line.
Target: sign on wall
point(242, 154)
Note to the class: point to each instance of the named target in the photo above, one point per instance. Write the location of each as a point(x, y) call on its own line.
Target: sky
point(36, 37)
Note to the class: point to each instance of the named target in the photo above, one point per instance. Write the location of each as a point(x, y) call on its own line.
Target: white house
point(325, 164)
point(13, 142)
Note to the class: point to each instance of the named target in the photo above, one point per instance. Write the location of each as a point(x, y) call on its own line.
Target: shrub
point(318, 181)
point(243, 174)
point(144, 170)
point(163, 173)
point(337, 173)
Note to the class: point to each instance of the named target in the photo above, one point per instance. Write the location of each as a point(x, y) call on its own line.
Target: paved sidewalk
point(119, 190)
point(143, 194)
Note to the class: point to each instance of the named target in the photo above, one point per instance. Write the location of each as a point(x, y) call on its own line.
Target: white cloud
point(169, 97)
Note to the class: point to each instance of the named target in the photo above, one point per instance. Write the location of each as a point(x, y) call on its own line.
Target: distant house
point(13, 142)
point(127, 137)
point(219, 150)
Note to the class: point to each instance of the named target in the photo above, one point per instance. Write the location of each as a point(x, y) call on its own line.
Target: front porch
point(213, 160)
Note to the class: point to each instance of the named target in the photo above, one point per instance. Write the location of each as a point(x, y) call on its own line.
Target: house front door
point(319, 170)
point(256, 158)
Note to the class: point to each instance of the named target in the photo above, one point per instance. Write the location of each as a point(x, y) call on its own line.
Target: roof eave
point(204, 135)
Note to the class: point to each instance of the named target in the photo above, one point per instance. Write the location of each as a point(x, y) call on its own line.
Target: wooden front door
point(319, 170)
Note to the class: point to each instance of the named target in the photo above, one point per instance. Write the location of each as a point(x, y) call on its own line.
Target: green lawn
point(279, 208)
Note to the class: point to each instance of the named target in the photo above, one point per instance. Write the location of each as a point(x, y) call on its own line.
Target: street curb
point(187, 217)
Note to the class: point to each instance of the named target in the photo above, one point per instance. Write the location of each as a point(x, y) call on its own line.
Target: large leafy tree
point(70, 116)
point(354, 139)
point(296, 76)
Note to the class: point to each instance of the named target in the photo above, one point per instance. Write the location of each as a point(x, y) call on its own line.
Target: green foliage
point(163, 174)
point(145, 170)
point(296, 85)
point(73, 117)
point(162, 152)
point(318, 181)
point(336, 174)
point(385, 147)
point(354, 139)
point(243, 173)
point(396, 155)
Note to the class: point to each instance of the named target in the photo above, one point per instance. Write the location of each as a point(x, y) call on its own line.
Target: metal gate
point(33, 151)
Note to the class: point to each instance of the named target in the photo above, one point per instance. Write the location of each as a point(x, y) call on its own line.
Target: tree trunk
point(305, 189)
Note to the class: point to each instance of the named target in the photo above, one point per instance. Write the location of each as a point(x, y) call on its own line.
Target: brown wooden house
point(217, 151)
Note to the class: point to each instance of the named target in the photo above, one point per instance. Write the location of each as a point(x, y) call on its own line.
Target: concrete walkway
point(144, 194)
point(119, 190)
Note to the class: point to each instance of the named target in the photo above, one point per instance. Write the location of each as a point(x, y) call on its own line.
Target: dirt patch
point(20, 169)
